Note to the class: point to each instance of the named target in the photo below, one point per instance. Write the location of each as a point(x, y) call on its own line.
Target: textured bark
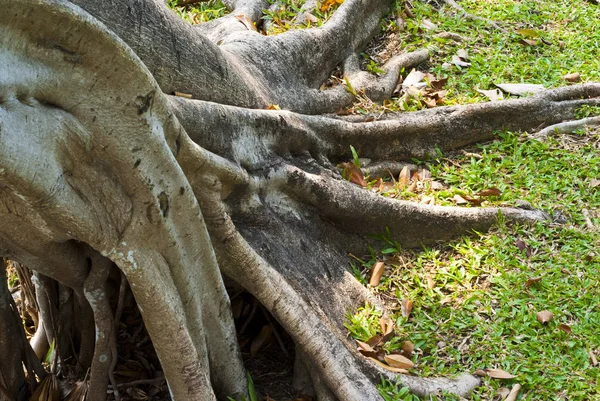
point(102, 169)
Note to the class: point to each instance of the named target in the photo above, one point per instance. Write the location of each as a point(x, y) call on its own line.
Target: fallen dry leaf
point(594, 182)
point(388, 367)
point(523, 247)
point(480, 373)
point(471, 200)
point(386, 324)
point(407, 305)
point(514, 392)
point(404, 177)
point(399, 361)
point(456, 60)
point(529, 42)
point(573, 77)
point(462, 53)
point(489, 192)
point(564, 327)
point(544, 316)
point(427, 24)
point(47, 390)
point(326, 5)
point(459, 200)
point(408, 348)
point(499, 374)
point(376, 274)
point(273, 107)
point(414, 79)
point(531, 281)
point(353, 174)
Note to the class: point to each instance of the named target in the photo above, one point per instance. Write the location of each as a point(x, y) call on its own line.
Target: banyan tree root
point(99, 167)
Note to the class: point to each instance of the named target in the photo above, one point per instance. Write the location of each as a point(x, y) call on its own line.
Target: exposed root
point(567, 127)
point(95, 293)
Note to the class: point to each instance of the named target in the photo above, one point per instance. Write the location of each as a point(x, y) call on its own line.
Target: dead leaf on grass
point(471, 200)
point(531, 281)
point(565, 327)
point(399, 361)
point(406, 306)
point(427, 24)
point(376, 274)
point(544, 316)
point(573, 77)
point(456, 60)
point(529, 42)
point(386, 325)
point(519, 243)
point(499, 374)
point(594, 182)
point(480, 373)
point(408, 348)
point(489, 192)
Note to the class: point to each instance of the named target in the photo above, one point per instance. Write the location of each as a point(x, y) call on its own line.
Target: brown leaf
point(412, 187)
point(573, 77)
point(471, 200)
point(459, 200)
point(408, 348)
point(375, 340)
point(366, 349)
point(430, 282)
point(594, 182)
point(514, 393)
point(407, 305)
point(544, 316)
point(47, 390)
point(430, 103)
point(531, 281)
point(353, 174)
point(480, 373)
point(273, 107)
point(388, 367)
point(489, 192)
point(399, 361)
point(386, 324)
point(263, 338)
point(376, 274)
point(499, 374)
point(565, 327)
point(438, 84)
point(523, 247)
point(404, 177)
point(529, 42)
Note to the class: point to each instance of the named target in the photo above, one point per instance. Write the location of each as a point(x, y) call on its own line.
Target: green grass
point(472, 309)
point(198, 13)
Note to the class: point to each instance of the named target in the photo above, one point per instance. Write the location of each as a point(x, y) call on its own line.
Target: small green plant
point(587, 111)
point(364, 324)
point(395, 391)
point(252, 396)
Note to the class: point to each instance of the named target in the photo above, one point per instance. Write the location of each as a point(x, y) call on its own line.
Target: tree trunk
point(100, 167)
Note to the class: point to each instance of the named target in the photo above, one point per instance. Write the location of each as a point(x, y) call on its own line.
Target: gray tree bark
point(100, 166)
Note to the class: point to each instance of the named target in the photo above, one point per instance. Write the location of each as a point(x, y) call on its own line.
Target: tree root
point(566, 127)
